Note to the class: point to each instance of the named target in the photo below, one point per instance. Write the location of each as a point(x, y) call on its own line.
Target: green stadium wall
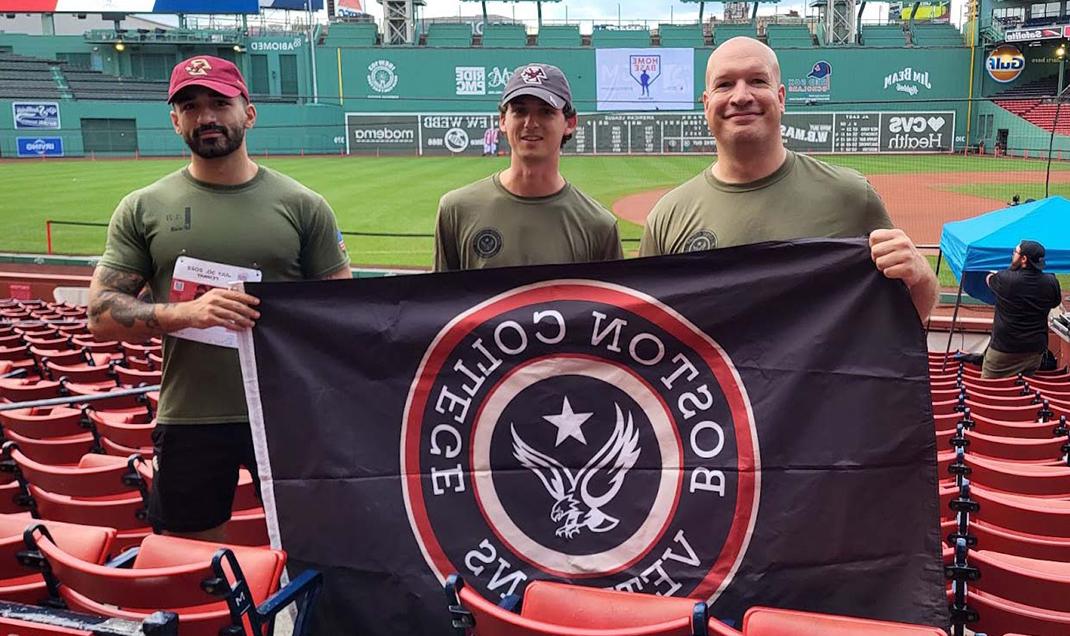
point(422, 79)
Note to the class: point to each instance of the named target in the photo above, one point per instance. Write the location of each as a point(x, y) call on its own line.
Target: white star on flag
point(568, 423)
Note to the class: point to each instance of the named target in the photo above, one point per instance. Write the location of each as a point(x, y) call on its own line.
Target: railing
point(164, 36)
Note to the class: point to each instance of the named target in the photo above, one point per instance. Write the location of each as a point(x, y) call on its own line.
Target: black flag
point(750, 425)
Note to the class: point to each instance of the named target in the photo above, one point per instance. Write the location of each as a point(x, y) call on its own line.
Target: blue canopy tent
point(983, 244)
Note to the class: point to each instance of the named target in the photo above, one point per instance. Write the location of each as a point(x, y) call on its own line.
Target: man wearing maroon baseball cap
point(221, 219)
point(202, 79)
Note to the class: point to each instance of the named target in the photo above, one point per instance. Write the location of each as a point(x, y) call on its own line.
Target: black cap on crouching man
point(544, 81)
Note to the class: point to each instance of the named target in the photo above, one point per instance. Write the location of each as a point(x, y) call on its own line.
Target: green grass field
point(386, 194)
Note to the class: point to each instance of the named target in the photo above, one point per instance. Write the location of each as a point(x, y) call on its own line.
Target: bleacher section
point(1003, 495)
point(788, 36)
point(449, 34)
point(510, 35)
point(681, 35)
point(560, 35)
point(606, 38)
point(97, 85)
point(1032, 102)
point(936, 35)
point(27, 77)
point(352, 34)
point(725, 32)
point(884, 35)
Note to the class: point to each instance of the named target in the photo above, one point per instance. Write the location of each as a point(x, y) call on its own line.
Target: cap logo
point(533, 75)
point(198, 67)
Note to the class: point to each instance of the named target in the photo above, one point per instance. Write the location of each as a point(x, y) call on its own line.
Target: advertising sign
point(35, 115)
point(645, 79)
point(39, 146)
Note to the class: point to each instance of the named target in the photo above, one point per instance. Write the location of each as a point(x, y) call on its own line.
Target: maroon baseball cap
point(210, 72)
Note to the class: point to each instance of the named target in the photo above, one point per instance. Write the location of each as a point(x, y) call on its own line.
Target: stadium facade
point(897, 87)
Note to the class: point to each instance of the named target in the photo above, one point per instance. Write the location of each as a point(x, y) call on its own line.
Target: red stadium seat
point(558, 610)
point(137, 377)
point(1033, 582)
point(26, 390)
point(1019, 478)
point(22, 584)
point(1001, 616)
point(57, 451)
point(81, 373)
point(996, 539)
point(764, 621)
point(125, 429)
point(43, 422)
point(191, 578)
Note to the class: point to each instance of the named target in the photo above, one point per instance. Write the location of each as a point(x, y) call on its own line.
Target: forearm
point(115, 315)
point(925, 294)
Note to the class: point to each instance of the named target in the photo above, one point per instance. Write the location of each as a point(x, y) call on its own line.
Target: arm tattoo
point(119, 298)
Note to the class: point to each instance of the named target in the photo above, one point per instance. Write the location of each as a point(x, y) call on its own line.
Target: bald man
point(758, 190)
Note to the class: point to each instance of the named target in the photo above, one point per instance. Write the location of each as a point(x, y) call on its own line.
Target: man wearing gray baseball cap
point(527, 214)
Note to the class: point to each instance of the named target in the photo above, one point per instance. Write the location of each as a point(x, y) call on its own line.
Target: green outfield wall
point(296, 117)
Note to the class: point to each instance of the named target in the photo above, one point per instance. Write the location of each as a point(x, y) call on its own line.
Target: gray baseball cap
point(544, 81)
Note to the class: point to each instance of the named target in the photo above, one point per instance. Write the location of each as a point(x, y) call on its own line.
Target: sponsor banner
point(645, 79)
point(379, 134)
point(605, 424)
point(651, 133)
point(1032, 35)
point(39, 146)
point(815, 87)
point(1005, 63)
point(807, 132)
point(908, 80)
point(481, 80)
point(35, 115)
point(285, 44)
point(917, 132)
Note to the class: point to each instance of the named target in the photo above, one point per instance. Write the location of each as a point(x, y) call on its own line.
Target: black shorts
point(196, 468)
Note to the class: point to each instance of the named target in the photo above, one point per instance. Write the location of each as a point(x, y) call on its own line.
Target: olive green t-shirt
point(804, 198)
point(271, 223)
point(484, 225)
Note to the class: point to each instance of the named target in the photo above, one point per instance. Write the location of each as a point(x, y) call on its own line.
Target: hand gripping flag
point(749, 425)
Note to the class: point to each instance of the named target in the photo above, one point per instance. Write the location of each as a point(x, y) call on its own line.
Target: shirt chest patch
point(487, 242)
point(180, 221)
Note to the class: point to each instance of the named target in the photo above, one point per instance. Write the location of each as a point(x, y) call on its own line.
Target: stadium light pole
point(1061, 54)
point(312, 52)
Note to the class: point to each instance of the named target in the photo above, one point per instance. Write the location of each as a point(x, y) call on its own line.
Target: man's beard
point(228, 141)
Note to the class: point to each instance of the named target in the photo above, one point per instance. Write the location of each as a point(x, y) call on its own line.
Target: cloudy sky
point(607, 10)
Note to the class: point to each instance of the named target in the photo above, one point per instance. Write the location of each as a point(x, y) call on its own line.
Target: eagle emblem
point(577, 504)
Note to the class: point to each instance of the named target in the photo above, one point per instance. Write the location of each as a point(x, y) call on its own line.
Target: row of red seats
point(1005, 496)
point(206, 588)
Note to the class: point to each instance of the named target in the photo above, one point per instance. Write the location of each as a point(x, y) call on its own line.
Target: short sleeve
point(446, 257)
point(323, 250)
point(653, 232)
point(612, 250)
point(876, 214)
point(126, 248)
